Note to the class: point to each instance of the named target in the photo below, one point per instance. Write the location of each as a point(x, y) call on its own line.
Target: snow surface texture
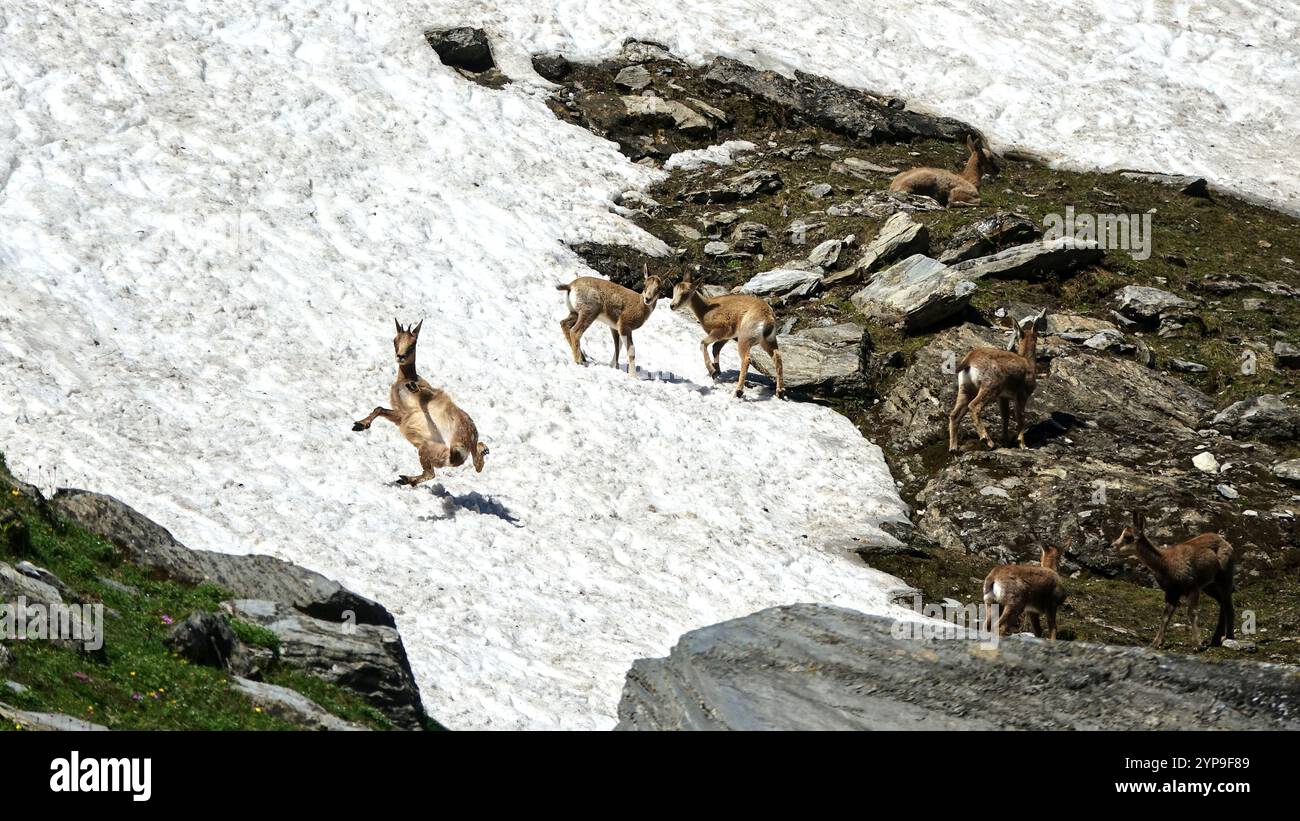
point(211, 215)
point(1207, 88)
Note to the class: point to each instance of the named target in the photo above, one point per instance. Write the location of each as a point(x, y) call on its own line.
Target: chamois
point(947, 188)
point(746, 319)
point(1025, 588)
point(622, 309)
point(1010, 375)
point(1183, 571)
point(441, 432)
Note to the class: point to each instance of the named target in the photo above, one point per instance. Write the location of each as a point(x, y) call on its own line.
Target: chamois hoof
point(740, 393)
point(359, 426)
point(405, 480)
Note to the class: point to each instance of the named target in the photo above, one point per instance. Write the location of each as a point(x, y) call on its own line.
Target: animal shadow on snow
point(474, 502)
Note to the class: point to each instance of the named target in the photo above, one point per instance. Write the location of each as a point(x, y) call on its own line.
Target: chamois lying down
point(441, 432)
point(1025, 588)
point(946, 187)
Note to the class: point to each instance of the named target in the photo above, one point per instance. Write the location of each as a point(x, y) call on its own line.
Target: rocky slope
point(814, 667)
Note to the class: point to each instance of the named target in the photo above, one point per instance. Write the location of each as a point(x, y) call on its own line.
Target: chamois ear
point(1139, 521)
point(1016, 333)
point(1040, 322)
point(971, 144)
point(416, 330)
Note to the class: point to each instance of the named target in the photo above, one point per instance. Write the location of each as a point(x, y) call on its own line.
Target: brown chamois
point(1025, 588)
point(1010, 375)
point(622, 309)
point(442, 433)
point(1183, 571)
point(947, 188)
point(746, 319)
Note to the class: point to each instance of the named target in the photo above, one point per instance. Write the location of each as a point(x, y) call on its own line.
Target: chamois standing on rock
point(1025, 588)
point(1183, 571)
point(1010, 375)
point(622, 309)
point(740, 317)
point(441, 432)
point(948, 188)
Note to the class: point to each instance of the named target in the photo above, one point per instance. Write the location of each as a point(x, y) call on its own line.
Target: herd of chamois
point(444, 435)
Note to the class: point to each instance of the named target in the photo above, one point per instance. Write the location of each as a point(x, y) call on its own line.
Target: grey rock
point(51, 722)
point(553, 67)
point(1268, 418)
point(633, 78)
point(13, 686)
point(743, 187)
point(1288, 471)
point(900, 237)
point(669, 113)
point(748, 237)
point(823, 362)
point(645, 51)
point(687, 233)
point(861, 169)
point(1184, 366)
point(1286, 354)
point(148, 545)
point(462, 47)
point(817, 667)
point(368, 659)
point(1146, 305)
point(14, 583)
point(6, 658)
point(1033, 260)
point(290, 705)
point(819, 190)
point(881, 204)
point(988, 236)
point(716, 249)
point(1227, 491)
point(828, 104)
point(916, 293)
point(209, 640)
point(780, 281)
point(827, 254)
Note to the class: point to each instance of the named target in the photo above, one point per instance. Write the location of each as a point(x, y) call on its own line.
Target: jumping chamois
point(1183, 571)
point(442, 433)
point(947, 188)
point(1010, 375)
point(1025, 588)
point(622, 309)
point(746, 319)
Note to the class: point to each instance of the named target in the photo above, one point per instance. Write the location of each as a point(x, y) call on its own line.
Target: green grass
point(134, 681)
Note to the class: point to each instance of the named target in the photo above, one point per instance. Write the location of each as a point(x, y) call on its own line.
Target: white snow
point(212, 212)
point(722, 154)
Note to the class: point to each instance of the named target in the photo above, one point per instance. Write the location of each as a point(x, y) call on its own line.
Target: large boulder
point(848, 111)
point(817, 667)
point(990, 235)
point(914, 294)
point(209, 640)
point(781, 282)
point(669, 113)
point(1268, 418)
point(744, 186)
point(366, 658)
point(150, 545)
point(1147, 306)
point(900, 237)
point(1033, 260)
point(823, 362)
point(462, 47)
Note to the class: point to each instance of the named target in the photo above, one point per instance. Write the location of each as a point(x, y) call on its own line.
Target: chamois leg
point(977, 405)
point(580, 326)
point(1036, 623)
point(1193, 610)
point(432, 455)
point(768, 344)
point(954, 416)
point(1010, 618)
point(1005, 406)
point(1226, 611)
point(613, 363)
point(566, 327)
point(378, 413)
point(1051, 623)
point(1020, 422)
point(1170, 607)
point(712, 365)
point(744, 344)
point(480, 451)
point(631, 354)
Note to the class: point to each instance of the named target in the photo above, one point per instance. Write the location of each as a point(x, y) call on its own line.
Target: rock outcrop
point(822, 362)
point(914, 294)
point(816, 667)
point(463, 47)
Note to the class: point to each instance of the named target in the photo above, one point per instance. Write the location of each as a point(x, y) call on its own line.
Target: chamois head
point(682, 292)
point(404, 342)
point(1128, 540)
point(650, 293)
point(1051, 558)
point(1026, 331)
point(986, 163)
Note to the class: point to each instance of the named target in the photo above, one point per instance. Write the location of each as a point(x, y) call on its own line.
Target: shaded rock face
point(914, 294)
point(741, 187)
point(553, 67)
point(989, 236)
point(1106, 435)
point(844, 110)
point(462, 47)
point(900, 237)
point(147, 544)
point(208, 639)
point(1147, 306)
point(368, 659)
point(815, 667)
point(822, 362)
point(1033, 260)
point(1268, 418)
